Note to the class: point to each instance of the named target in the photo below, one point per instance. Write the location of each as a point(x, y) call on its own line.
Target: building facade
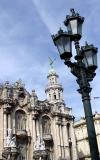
point(82, 138)
point(31, 129)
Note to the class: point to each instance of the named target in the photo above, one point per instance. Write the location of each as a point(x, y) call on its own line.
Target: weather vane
point(51, 62)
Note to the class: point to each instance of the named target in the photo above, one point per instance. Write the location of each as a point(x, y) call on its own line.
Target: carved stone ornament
point(9, 153)
point(44, 106)
point(10, 140)
point(6, 154)
point(39, 145)
point(24, 101)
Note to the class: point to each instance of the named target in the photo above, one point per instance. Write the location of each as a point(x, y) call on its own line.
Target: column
point(55, 139)
point(9, 121)
point(61, 141)
point(56, 134)
point(33, 131)
point(58, 139)
point(73, 139)
point(27, 122)
point(52, 95)
point(57, 93)
point(66, 141)
point(30, 143)
point(5, 127)
point(37, 127)
point(61, 95)
point(13, 123)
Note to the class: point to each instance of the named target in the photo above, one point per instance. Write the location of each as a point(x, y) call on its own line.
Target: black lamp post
point(84, 68)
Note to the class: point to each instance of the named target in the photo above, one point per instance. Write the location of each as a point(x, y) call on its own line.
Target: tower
point(54, 90)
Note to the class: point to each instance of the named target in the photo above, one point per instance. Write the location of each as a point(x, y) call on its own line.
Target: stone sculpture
point(40, 145)
point(10, 140)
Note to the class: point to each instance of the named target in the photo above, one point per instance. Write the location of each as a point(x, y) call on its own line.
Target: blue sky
point(25, 44)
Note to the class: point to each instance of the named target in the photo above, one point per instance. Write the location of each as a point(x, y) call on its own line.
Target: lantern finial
point(72, 11)
point(60, 30)
point(74, 14)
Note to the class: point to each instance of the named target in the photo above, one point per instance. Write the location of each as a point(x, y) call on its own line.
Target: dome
point(52, 71)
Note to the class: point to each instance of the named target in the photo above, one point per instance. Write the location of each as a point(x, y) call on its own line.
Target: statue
point(10, 140)
point(33, 99)
point(13, 142)
point(37, 144)
point(20, 83)
point(40, 145)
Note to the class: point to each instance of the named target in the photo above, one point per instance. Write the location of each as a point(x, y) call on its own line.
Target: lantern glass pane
point(85, 62)
point(89, 58)
point(80, 28)
point(59, 44)
point(69, 28)
point(73, 24)
point(95, 59)
point(63, 44)
point(66, 43)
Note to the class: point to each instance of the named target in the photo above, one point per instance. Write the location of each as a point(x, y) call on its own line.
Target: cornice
point(62, 115)
point(54, 87)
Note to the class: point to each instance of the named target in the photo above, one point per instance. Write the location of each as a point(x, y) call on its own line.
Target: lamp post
point(83, 68)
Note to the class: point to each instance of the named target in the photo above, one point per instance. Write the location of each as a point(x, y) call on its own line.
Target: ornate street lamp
point(63, 43)
point(84, 69)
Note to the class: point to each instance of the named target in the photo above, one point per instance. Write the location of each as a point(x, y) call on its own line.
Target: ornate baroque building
point(31, 129)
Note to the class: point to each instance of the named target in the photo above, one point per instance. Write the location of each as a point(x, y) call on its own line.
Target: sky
point(26, 27)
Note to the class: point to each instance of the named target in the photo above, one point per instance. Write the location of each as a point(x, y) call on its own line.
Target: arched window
point(59, 95)
point(46, 125)
point(20, 120)
point(55, 96)
point(68, 129)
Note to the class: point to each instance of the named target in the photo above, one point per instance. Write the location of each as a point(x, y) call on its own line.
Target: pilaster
point(73, 140)
point(9, 121)
point(66, 141)
point(4, 127)
point(37, 127)
point(61, 141)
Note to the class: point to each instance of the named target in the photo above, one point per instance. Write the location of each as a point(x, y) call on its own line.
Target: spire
point(51, 70)
point(51, 62)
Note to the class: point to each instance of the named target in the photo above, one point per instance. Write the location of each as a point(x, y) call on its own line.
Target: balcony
point(40, 154)
point(47, 138)
point(21, 133)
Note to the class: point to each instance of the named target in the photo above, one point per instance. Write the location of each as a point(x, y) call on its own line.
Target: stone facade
point(82, 138)
point(32, 129)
